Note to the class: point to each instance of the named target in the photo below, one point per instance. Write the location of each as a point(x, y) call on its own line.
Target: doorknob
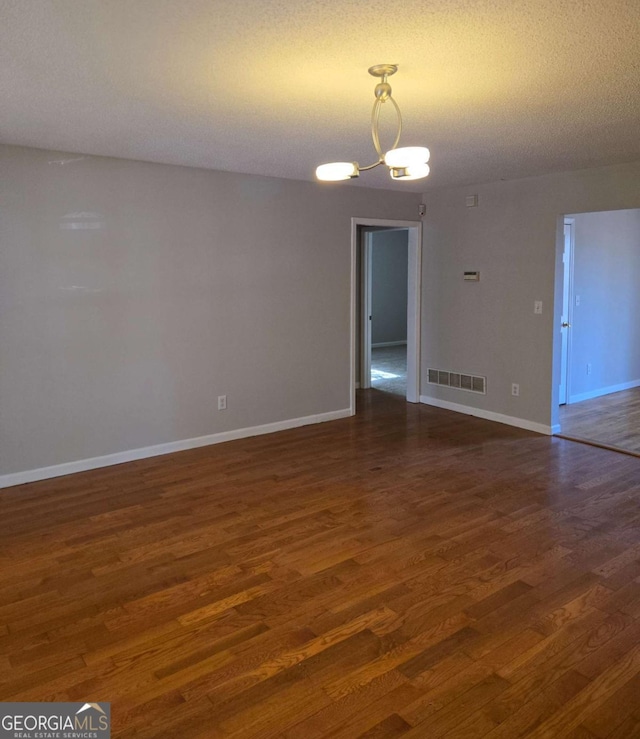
point(566, 325)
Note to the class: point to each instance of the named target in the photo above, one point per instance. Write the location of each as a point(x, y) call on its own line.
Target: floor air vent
point(458, 380)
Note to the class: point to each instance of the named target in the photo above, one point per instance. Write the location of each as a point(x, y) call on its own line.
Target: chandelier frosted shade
point(405, 163)
point(336, 171)
point(412, 172)
point(408, 156)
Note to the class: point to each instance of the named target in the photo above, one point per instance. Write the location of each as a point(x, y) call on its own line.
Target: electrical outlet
point(588, 368)
point(537, 307)
point(577, 300)
point(222, 402)
point(515, 389)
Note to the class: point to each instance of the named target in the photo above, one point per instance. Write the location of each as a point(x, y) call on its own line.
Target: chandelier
point(407, 163)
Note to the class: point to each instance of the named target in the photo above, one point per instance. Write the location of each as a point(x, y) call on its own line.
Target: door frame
point(366, 308)
point(567, 298)
point(414, 283)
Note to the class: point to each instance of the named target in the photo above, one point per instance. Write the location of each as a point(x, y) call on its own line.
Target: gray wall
point(133, 294)
point(514, 238)
point(390, 253)
point(605, 327)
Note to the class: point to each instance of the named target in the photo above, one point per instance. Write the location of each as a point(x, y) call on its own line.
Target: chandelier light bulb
point(336, 171)
point(412, 172)
point(407, 156)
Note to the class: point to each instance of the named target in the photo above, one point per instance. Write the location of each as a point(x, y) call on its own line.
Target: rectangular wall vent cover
point(458, 380)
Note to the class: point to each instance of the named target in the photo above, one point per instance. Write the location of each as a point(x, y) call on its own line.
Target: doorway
point(599, 341)
point(383, 309)
point(363, 339)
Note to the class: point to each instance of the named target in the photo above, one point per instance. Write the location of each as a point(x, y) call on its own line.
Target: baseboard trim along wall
point(521, 423)
point(604, 391)
point(82, 465)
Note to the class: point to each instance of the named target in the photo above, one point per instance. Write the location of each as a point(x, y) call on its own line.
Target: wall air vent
point(458, 380)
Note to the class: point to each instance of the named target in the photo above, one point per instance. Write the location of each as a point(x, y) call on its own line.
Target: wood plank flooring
point(612, 420)
point(409, 572)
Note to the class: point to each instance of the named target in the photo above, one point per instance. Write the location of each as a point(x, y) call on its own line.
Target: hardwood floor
point(612, 420)
point(407, 572)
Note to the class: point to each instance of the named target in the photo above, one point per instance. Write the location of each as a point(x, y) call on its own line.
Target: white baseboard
point(389, 343)
point(604, 391)
point(521, 423)
point(82, 465)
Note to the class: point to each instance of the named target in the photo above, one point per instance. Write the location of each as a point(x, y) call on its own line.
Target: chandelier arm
point(397, 141)
point(371, 166)
point(375, 117)
point(375, 121)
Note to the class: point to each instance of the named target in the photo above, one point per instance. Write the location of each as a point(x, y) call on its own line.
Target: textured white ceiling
point(497, 89)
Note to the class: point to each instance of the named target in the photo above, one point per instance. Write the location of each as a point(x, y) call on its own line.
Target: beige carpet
point(389, 369)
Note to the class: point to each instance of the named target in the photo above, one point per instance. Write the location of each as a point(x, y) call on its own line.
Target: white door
point(567, 264)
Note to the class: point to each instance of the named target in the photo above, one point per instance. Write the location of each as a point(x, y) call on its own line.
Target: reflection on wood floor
point(612, 420)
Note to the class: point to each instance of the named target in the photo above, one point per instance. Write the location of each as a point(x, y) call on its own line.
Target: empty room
point(283, 350)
